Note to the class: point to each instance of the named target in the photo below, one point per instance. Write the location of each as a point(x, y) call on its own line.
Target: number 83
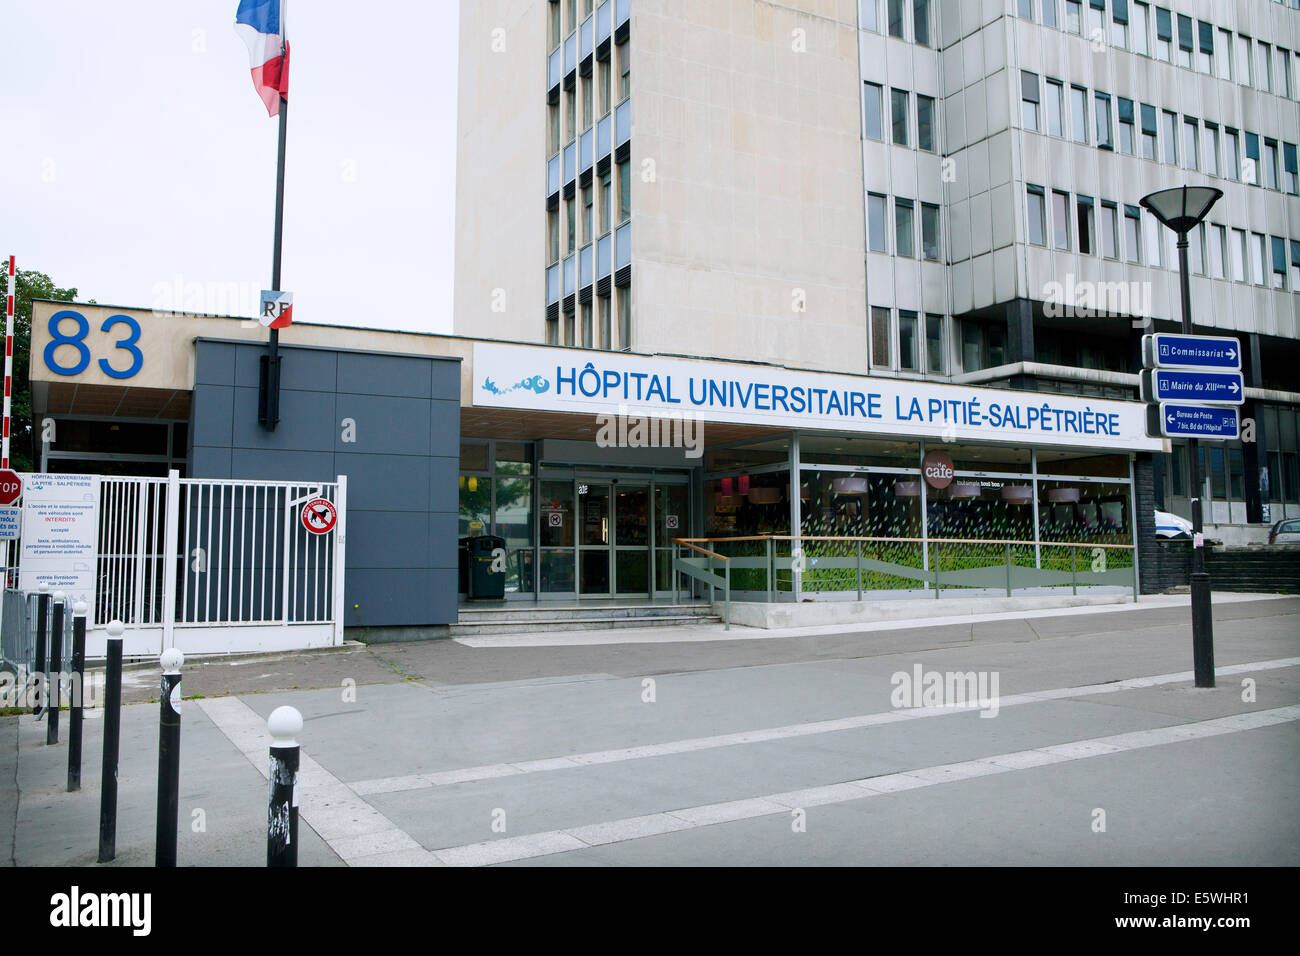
point(77, 341)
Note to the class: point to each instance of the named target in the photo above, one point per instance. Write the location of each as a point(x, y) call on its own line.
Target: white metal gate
point(214, 565)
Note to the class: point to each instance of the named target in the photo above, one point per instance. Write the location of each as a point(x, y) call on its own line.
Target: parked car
point(1171, 526)
point(1285, 532)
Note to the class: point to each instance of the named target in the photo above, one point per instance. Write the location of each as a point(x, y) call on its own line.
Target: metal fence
point(18, 623)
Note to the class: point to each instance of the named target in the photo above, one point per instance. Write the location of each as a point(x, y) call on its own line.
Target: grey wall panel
point(397, 375)
point(402, 470)
point(385, 425)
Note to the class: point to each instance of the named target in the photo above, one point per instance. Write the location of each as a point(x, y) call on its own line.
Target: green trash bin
point(485, 584)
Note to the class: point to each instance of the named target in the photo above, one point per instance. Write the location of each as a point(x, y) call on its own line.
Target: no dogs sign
point(319, 516)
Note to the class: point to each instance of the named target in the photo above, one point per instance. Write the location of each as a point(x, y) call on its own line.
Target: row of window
point(1080, 224)
point(900, 117)
point(565, 21)
point(585, 216)
point(592, 325)
point(1237, 57)
point(897, 340)
point(1156, 134)
point(904, 227)
point(901, 19)
point(596, 96)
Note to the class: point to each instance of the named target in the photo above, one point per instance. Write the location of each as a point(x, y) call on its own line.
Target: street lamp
point(1182, 209)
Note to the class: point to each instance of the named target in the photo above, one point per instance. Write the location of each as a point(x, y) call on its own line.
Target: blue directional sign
point(1210, 388)
point(1197, 421)
point(1167, 350)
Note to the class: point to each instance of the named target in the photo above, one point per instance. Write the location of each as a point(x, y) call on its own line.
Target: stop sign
point(11, 486)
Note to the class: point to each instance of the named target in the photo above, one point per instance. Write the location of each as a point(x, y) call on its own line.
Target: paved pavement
point(1093, 747)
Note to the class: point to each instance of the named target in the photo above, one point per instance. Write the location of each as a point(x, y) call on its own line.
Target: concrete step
point(541, 613)
point(478, 628)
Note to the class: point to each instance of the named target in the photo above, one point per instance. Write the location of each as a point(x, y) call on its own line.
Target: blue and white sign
point(60, 534)
point(10, 523)
point(603, 383)
point(1198, 421)
point(1166, 350)
point(1209, 388)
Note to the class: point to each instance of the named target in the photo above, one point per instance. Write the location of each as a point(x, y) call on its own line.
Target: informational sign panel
point(10, 523)
point(1168, 350)
point(1196, 421)
point(1210, 388)
point(60, 534)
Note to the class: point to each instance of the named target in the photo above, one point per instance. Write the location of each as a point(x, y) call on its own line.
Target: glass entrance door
point(594, 538)
point(632, 539)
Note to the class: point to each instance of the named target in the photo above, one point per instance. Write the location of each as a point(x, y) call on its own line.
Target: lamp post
point(1182, 209)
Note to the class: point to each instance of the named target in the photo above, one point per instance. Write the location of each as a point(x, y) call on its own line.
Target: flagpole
point(270, 404)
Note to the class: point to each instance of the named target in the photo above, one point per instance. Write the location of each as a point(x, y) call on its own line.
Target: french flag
point(260, 24)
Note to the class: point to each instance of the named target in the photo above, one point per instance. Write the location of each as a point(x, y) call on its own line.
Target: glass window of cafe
point(863, 487)
point(496, 497)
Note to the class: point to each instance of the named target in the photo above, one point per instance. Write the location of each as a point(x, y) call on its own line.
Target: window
point(606, 190)
point(1029, 101)
point(605, 69)
point(1097, 20)
point(921, 22)
point(1087, 228)
point(904, 244)
point(908, 360)
point(925, 123)
point(1295, 265)
point(624, 72)
point(1184, 41)
point(571, 114)
point(879, 337)
point(1239, 255)
point(898, 103)
point(1074, 16)
point(555, 23)
point(934, 351)
point(1079, 113)
point(553, 234)
point(1250, 171)
point(1291, 177)
point(896, 16)
point(1110, 230)
point(1196, 250)
point(552, 332)
point(1148, 132)
point(587, 339)
point(1132, 234)
point(625, 318)
point(1264, 72)
point(873, 120)
point(1283, 72)
point(588, 207)
point(1049, 13)
point(1142, 29)
point(1206, 53)
point(624, 191)
point(573, 15)
point(553, 117)
point(1155, 241)
point(1258, 255)
point(1232, 154)
point(1164, 34)
point(1101, 103)
point(930, 231)
point(1127, 138)
point(588, 107)
point(571, 218)
point(1037, 216)
point(1270, 164)
point(1025, 9)
point(1244, 65)
point(1279, 262)
point(869, 15)
point(1055, 107)
point(602, 316)
point(568, 329)
point(971, 346)
point(1169, 132)
point(876, 223)
point(1225, 55)
point(1218, 251)
point(1060, 220)
point(1212, 149)
point(1119, 24)
point(1191, 143)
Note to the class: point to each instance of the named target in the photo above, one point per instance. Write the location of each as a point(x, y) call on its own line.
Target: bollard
point(282, 815)
point(112, 733)
point(78, 694)
point(169, 757)
point(38, 666)
point(56, 666)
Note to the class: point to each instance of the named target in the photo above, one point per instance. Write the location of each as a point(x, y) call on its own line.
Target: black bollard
point(282, 815)
point(36, 679)
point(169, 758)
point(78, 694)
point(112, 735)
point(52, 679)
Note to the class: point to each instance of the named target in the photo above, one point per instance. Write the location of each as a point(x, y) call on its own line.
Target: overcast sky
point(139, 164)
